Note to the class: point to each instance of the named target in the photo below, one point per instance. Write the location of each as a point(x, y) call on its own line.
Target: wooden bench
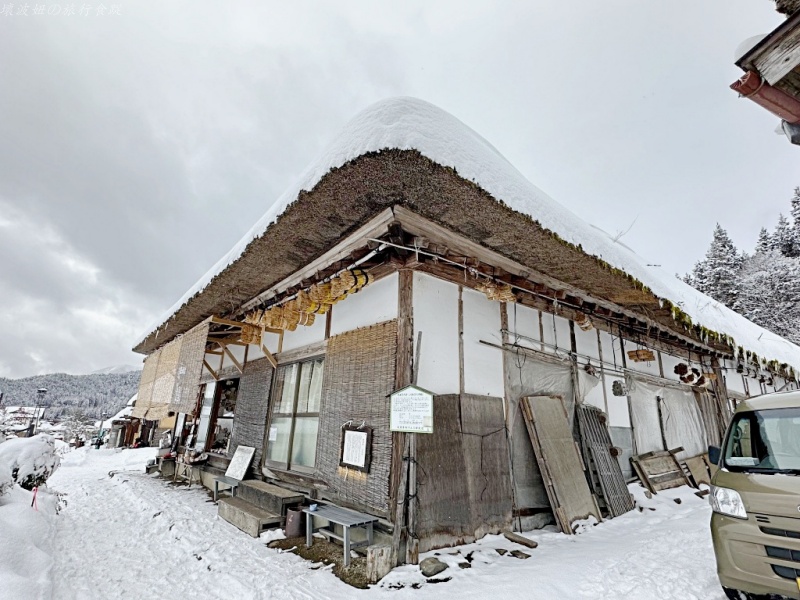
point(228, 481)
point(340, 516)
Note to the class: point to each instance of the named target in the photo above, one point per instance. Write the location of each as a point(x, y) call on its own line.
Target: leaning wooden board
point(660, 470)
point(559, 460)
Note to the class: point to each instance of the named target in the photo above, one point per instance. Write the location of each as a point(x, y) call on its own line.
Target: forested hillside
point(90, 395)
point(763, 286)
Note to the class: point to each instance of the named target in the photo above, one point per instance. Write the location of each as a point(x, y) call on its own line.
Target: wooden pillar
point(400, 441)
point(509, 411)
point(630, 408)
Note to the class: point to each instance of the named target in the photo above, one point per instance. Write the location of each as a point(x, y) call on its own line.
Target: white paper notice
point(273, 434)
point(355, 448)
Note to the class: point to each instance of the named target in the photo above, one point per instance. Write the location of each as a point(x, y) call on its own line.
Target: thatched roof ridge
point(410, 153)
point(787, 7)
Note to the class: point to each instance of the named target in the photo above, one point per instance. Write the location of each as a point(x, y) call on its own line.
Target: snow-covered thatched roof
point(408, 124)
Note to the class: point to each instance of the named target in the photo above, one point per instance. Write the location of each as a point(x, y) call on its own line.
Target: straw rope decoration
point(317, 300)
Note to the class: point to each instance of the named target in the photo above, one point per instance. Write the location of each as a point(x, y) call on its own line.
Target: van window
point(764, 441)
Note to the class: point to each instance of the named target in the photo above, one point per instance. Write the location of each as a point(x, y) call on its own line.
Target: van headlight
point(727, 502)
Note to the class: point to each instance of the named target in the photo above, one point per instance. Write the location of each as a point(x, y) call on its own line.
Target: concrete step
point(243, 515)
point(267, 496)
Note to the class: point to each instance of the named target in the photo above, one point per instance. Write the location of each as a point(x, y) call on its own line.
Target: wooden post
point(630, 407)
point(602, 372)
point(510, 409)
point(400, 441)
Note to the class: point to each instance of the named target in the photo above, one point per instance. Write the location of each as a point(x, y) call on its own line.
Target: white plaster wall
point(556, 332)
point(483, 365)
point(237, 351)
point(374, 304)
point(733, 381)
point(669, 363)
point(524, 321)
point(618, 415)
point(586, 343)
point(436, 316)
point(254, 353)
point(610, 351)
point(303, 336)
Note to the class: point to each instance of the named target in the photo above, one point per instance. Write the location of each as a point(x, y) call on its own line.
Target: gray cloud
point(137, 149)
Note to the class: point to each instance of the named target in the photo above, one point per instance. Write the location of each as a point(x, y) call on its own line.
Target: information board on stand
point(411, 410)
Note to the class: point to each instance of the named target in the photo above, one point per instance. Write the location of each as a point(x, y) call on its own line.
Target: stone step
point(267, 496)
point(243, 515)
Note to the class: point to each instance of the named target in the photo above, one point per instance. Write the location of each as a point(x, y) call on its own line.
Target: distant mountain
point(116, 369)
point(90, 395)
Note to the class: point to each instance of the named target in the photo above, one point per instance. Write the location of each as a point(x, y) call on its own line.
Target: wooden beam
point(269, 356)
point(400, 441)
point(235, 362)
point(210, 370)
point(221, 321)
point(375, 227)
point(418, 225)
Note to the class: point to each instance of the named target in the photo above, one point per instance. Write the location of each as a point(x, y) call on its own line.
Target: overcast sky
point(137, 148)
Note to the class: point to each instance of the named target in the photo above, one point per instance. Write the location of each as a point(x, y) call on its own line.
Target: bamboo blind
point(359, 375)
point(146, 385)
point(189, 368)
point(165, 381)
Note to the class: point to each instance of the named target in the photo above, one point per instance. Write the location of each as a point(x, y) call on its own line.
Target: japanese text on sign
point(412, 411)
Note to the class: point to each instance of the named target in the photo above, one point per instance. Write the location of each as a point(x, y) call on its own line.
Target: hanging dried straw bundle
point(251, 334)
point(253, 317)
point(583, 321)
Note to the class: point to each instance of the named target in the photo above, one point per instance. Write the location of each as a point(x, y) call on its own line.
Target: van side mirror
point(713, 454)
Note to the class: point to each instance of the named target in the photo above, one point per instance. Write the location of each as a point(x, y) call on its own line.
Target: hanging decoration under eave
point(303, 308)
point(501, 292)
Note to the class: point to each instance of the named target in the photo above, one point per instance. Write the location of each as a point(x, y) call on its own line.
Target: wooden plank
point(642, 475)
point(559, 460)
point(400, 441)
point(618, 498)
point(235, 362)
point(269, 356)
point(210, 370)
point(778, 60)
point(699, 470)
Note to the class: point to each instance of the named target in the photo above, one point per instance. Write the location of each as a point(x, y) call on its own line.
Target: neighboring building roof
point(408, 152)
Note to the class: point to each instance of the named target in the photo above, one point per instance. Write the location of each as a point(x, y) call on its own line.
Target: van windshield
point(764, 441)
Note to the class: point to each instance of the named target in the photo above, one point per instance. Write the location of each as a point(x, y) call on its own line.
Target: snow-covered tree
point(769, 293)
point(718, 273)
point(785, 239)
point(764, 243)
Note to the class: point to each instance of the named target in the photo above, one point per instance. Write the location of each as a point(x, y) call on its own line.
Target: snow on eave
point(412, 124)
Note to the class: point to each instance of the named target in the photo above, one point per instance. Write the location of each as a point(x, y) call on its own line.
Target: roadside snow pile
point(27, 462)
point(26, 518)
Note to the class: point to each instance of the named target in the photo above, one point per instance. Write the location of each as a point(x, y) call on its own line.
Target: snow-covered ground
point(124, 534)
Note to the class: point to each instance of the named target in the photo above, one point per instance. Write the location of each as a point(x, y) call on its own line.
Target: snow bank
point(26, 552)
point(27, 462)
point(412, 124)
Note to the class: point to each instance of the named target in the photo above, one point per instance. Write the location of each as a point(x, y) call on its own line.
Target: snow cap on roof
point(411, 124)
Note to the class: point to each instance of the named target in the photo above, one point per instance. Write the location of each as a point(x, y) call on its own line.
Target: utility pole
point(40, 396)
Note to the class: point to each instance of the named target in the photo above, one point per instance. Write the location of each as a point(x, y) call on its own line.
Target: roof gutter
point(776, 101)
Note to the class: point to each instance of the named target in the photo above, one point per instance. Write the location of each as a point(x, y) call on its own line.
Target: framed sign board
point(356, 450)
point(411, 410)
point(237, 469)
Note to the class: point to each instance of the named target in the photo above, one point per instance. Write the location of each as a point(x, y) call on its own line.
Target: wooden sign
point(641, 355)
point(356, 448)
point(411, 410)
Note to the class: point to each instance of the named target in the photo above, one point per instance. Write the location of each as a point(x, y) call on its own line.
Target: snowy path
point(135, 536)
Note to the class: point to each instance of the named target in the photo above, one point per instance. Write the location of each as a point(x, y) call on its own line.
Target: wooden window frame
point(276, 395)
